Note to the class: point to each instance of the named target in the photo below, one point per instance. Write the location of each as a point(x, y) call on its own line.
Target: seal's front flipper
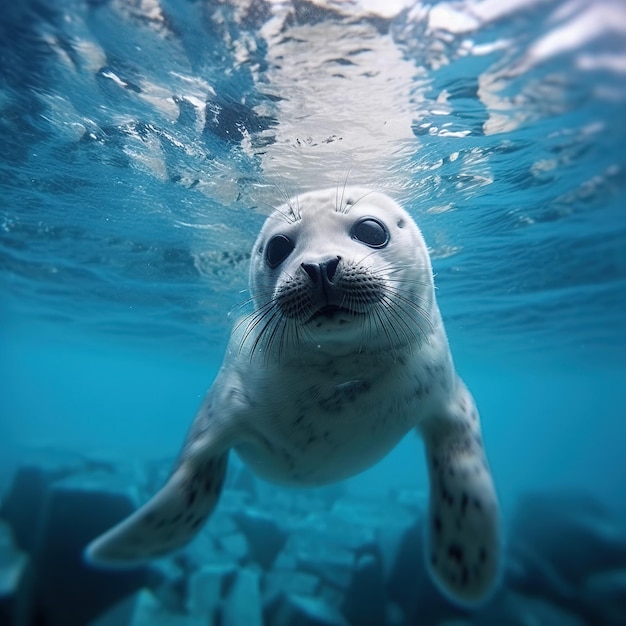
point(169, 520)
point(463, 535)
point(176, 513)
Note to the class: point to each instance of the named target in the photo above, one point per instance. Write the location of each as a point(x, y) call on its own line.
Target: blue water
point(141, 145)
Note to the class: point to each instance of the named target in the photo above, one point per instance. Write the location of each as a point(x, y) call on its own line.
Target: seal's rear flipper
point(463, 535)
point(166, 522)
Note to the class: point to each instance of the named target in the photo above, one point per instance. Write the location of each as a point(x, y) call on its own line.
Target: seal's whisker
point(252, 322)
point(417, 317)
point(382, 325)
point(340, 208)
point(241, 305)
point(409, 281)
point(288, 200)
point(408, 303)
point(421, 301)
point(401, 323)
point(280, 324)
point(259, 312)
point(397, 323)
point(358, 200)
point(386, 310)
point(408, 330)
point(261, 334)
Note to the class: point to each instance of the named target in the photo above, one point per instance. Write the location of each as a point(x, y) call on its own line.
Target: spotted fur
point(343, 354)
point(463, 541)
point(168, 521)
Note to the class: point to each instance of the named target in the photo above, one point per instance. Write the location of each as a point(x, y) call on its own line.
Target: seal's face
point(338, 266)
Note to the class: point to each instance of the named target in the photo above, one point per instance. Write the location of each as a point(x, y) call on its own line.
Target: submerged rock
point(66, 590)
point(309, 561)
point(207, 586)
point(168, 583)
point(265, 536)
point(143, 609)
point(573, 532)
point(335, 567)
point(23, 505)
point(365, 599)
point(299, 610)
point(242, 605)
point(236, 545)
point(405, 558)
point(514, 609)
point(603, 595)
point(278, 582)
point(13, 565)
point(120, 614)
point(530, 572)
point(410, 586)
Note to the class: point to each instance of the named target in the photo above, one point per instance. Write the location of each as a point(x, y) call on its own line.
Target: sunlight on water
point(150, 138)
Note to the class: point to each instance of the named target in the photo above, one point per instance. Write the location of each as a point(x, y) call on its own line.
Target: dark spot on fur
point(345, 392)
point(438, 524)
point(464, 501)
point(447, 496)
point(477, 505)
point(196, 523)
point(176, 518)
point(191, 497)
point(482, 555)
point(455, 552)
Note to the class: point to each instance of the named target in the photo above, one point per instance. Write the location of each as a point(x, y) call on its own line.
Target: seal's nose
point(324, 272)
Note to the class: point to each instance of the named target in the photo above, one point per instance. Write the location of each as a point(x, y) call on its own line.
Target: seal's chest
point(342, 397)
point(352, 413)
point(320, 432)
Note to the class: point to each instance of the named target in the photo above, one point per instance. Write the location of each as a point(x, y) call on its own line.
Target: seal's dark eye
point(277, 250)
point(371, 232)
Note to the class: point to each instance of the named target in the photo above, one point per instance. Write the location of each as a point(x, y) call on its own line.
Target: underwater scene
point(337, 472)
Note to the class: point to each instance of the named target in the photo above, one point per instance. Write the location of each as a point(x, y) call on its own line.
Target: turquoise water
point(139, 155)
point(141, 145)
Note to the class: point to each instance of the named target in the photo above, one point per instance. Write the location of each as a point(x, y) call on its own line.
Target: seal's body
point(344, 353)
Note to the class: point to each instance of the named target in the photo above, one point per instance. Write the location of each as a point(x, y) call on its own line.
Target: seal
point(343, 353)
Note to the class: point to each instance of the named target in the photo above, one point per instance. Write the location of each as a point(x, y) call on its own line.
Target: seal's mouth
point(328, 311)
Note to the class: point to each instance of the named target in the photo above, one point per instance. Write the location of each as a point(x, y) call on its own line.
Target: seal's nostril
point(313, 270)
point(330, 267)
point(325, 270)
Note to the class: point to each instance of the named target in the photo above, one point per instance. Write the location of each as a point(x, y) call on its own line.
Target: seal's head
point(336, 265)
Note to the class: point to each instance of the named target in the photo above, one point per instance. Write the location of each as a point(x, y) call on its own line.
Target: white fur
point(310, 400)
